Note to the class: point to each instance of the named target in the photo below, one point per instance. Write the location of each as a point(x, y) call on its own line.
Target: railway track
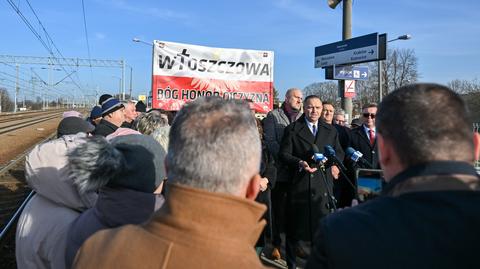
point(24, 115)
point(23, 124)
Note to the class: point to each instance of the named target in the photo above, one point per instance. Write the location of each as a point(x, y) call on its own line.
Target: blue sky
point(445, 34)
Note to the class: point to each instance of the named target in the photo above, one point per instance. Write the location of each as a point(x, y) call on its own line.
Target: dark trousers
point(279, 205)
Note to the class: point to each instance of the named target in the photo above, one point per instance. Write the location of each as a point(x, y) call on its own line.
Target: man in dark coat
point(428, 214)
point(363, 139)
point(343, 187)
point(112, 117)
point(274, 125)
point(310, 189)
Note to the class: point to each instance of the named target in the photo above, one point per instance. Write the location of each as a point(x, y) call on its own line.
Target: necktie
point(314, 130)
point(372, 137)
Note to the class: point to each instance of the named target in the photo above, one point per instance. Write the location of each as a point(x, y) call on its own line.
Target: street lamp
point(141, 41)
point(380, 82)
point(137, 40)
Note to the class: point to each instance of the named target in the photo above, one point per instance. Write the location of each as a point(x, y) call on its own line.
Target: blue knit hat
point(110, 105)
point(96, 112)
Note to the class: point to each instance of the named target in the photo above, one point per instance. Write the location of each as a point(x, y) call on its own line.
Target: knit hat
point(96, 112)
point(103, 98)
point(121, 131)
point(71, 113)
point(73, 125)
point(110, 105)
point(141, 107)
point(130, 161)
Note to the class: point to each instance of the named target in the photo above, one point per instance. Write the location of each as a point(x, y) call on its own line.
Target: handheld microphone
point(330, 153)
point(357, 157)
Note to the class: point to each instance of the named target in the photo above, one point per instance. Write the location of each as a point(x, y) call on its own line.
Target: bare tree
point(6, 101)
point(327, 91)
point(401, 69)
point(470, 92)
point(464, 86)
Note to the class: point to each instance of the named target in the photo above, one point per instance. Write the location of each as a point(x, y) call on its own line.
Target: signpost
point(367, 48)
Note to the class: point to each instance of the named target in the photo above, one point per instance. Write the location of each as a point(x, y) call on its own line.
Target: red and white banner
point(183, 72)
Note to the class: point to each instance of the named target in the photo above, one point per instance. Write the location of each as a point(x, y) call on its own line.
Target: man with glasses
point(427, 215)
point(363, 139)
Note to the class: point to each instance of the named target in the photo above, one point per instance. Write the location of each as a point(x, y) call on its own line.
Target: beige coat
point(194, 229)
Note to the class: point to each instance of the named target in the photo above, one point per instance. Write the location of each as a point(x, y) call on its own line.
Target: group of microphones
point(330, 155)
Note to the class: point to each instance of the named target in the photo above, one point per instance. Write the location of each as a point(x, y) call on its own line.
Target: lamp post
point(137, 40)
point(380, 80)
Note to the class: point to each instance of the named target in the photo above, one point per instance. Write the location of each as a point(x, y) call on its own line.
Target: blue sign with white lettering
point(355, 50)
point(350, 72)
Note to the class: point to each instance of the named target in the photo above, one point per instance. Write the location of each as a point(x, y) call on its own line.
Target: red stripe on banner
point(171, 93)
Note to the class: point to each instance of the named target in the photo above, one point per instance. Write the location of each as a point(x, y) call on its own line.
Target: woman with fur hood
point(42, 228)
point(126, 172)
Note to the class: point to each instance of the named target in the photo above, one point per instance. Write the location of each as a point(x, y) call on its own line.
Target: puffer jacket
point(42, 227)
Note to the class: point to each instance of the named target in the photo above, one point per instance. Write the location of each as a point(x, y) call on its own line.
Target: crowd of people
point(211, 186)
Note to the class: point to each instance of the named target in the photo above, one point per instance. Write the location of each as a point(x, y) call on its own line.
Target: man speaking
point(309, 188)
point(428, 215)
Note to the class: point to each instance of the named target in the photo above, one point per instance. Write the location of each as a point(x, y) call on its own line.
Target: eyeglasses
point(366, 115)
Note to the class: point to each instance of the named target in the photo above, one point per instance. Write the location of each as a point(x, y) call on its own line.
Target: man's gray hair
point(147, 123)
point(339, 111)
point(161, 135)
point(214, 145)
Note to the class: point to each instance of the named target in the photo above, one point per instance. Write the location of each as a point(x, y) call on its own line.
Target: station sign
point(367, 48)
point(343, 72)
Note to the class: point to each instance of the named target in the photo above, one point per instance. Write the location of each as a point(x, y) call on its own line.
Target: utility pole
point(347, 104)
point(123, 80)
point(131, 71)
point(17, 88)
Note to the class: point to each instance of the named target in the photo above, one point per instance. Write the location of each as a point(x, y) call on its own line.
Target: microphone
point(318, 157)
point(357, 157)
point(330, 153)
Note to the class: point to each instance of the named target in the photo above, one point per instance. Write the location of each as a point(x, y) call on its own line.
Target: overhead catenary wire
point(42, 41)
point(86, 39)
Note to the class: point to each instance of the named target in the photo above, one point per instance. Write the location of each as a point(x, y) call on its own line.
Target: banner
point(183, 72)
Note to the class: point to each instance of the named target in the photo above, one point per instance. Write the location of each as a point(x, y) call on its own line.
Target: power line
point(38, 36)
point(86, 38)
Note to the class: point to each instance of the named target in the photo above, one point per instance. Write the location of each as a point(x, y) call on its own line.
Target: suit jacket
point(361, 142)
point(428, 217)
point(307, 191)
point(273, 128)
point(194, 229)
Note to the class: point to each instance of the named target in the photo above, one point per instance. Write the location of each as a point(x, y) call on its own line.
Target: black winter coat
point(428, 217)
point(307, 200)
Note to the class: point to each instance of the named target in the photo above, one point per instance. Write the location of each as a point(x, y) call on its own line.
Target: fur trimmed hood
point(130, 161)
point(47, 172)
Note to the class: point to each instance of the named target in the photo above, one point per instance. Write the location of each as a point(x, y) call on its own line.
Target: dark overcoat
point(307, 200)
point(361, 142)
